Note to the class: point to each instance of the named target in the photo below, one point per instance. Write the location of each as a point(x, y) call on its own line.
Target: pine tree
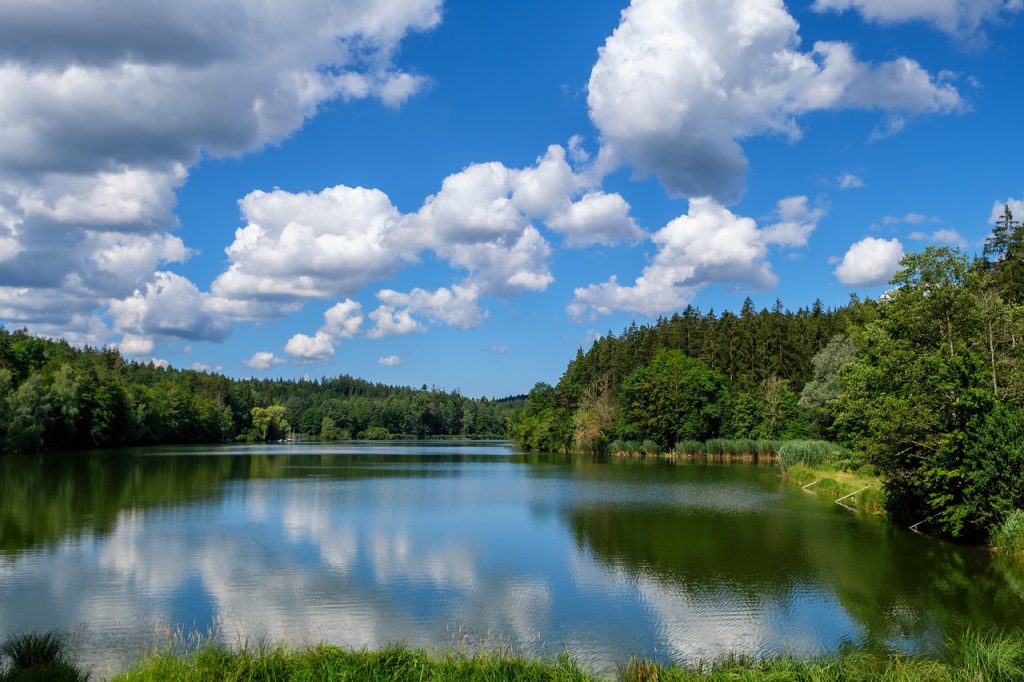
point(1003, 256)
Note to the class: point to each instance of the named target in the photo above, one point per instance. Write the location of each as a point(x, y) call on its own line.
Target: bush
point(1009, 535)
point(377, 433)
point(38, 656)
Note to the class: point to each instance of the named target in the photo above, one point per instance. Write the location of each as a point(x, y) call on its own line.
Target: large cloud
point(483, 220)
point(456, 307)
point(304, 246)
point(170, 305)
point(105, 105)
point(680, 83)
point(962, 18)
point(709, 244)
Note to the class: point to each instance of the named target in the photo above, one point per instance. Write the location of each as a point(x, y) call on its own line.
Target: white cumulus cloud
point(456, 307)
point(484, 220)
point(680, 83)
point(389, 322)
point(870, 261)
point(136, 345)
point(796, 221)
point(170, 305)
point(262, 360)
point(962, 18)
point(316, 348)
point(709, 244)
point(106, 105)
point(389, 361)
point(343, 320)
point(597, 218)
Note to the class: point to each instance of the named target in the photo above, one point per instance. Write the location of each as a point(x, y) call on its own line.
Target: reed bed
point(811, 453)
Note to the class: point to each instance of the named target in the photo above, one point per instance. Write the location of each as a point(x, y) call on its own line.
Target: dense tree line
point(689, 377)
point(57, 397)
point(925, 385)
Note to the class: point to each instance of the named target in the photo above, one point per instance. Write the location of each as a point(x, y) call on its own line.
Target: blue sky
point(470, 191)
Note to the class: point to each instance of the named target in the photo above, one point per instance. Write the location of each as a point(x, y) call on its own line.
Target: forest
point(56, 397)
point(924, 386)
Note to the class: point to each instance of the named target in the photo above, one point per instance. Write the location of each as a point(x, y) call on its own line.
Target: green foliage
point(323, 662)
point(54, 397)
point(919, 400)
point(1004, 257)
point(762, 357)
point(269, 423)
point(925, 387)
point(329, 431)
point(673, 398)
point(38, 657)
point(377, 433)
point(819, 393)
point(542, 424)
point(1009, 535)
point(993, 658)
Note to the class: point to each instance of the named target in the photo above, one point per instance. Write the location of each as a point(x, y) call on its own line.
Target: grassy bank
point(825, 468)
point(863, 487)
point(976, 658)
point(828, 469)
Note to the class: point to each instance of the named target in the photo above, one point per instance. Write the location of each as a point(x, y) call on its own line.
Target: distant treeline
point(924, 386)
point(57, 397)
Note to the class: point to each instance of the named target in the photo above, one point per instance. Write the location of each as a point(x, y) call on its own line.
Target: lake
point(468, 544)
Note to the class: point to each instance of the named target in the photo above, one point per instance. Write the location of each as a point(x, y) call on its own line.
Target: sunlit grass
point(835, 483)
point(325, 662)
point(1009, 535)
point(996, 658)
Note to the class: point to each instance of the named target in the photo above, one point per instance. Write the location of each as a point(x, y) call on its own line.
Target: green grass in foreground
point(992, 659)
point(998, 658)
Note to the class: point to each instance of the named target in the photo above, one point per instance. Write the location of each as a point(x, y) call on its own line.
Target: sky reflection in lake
point(468, 544)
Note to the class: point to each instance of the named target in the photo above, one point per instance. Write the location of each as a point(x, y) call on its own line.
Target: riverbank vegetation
point(993, 658)
point(923, 388)
point(57, 397)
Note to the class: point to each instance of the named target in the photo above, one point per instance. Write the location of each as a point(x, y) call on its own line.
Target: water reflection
point(439, 544)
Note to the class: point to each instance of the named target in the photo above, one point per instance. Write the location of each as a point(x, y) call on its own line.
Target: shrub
point(39, 656)
point(377, 433)
point(1009, 535)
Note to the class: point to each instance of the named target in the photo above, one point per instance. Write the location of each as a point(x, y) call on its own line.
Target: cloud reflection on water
point(605, 561)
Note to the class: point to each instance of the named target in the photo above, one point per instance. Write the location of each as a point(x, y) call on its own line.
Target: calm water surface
point(469, 544)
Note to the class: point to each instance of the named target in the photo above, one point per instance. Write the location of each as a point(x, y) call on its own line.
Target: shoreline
point(855, 491)
point(992, 657)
